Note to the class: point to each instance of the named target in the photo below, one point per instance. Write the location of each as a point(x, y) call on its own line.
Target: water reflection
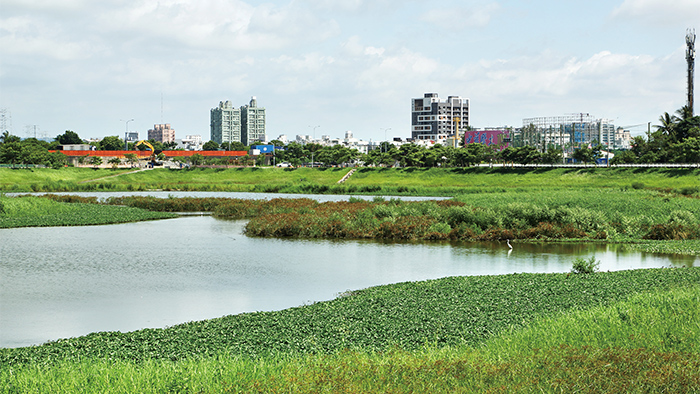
point(69, 281)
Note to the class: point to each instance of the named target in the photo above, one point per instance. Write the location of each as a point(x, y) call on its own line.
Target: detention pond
point(60, 282)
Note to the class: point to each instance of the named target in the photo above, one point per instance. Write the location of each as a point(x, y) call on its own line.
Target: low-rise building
point(190, 142)
point(162, 133)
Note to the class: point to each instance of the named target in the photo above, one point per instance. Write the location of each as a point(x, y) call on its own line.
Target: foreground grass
point(42, 212)
point(645, 343)
point(445, 312)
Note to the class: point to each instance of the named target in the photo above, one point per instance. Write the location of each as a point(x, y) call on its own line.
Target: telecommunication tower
point(690, 57)
point(5, 121)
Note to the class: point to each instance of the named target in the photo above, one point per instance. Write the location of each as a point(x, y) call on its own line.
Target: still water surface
point(62, 282)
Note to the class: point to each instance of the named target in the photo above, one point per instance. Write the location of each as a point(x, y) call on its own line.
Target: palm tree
point(667, 123)
point(684, 113)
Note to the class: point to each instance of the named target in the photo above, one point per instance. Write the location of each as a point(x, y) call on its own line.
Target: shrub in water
point(585, 266)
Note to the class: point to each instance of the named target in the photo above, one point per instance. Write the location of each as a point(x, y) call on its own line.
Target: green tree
point(624, 157)
point(587, 155)
point(196, 159)
point(29, 151)
point(210, 145)
point(522, 155)
point(687, 151)
point(115, 161)
point(69, 138)
point(683, 113)
point(170, 145)
point(6, 137)
point(341, 154)
point(239, 146)
point(668, 122)
point(95, 160)
point(57, 160)
point(433, 156)
point(294, 153)
point(34, 152)
point(131, 158)
point(687, 128)
point(111, 143)
point(409, 155)
point(10, 152)
point(552, 156)
point(312, 149)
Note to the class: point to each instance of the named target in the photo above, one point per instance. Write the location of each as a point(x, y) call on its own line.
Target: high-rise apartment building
point(245, 124)
point(433, 119)
point(162, 133)
point(225, 123)
point(252, 122)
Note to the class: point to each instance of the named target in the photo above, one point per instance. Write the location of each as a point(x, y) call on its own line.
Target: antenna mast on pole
point(690, 57)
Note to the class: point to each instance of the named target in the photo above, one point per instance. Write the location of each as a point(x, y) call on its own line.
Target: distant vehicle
point(283, 164)
point(152, 159)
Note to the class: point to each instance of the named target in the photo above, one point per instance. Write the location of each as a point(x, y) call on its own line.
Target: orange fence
point(146, 153)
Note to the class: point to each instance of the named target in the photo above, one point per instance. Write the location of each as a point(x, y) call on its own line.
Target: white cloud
point(220, 24)
point(462, 17)
point(297, 75)
point(26, 36)
point(395, 71)
point(327, 58)
point(548, 84)
point(372, 51)
point(45, 5)
point(356, 6)
point(658, 12)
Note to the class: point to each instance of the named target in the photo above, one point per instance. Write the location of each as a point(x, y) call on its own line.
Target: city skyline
point(342, 65)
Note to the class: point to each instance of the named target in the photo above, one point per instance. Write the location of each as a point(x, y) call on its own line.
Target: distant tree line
point(675, 140)
point(14, 150)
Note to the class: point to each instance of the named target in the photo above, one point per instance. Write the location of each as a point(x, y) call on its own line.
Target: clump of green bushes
point(585, 266)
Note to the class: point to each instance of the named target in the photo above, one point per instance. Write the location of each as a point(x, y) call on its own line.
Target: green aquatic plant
point(585, 266)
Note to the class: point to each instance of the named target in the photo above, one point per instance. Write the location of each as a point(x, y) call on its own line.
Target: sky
point(324, 67)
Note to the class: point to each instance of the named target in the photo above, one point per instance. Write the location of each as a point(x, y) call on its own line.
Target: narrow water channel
point(62, 282)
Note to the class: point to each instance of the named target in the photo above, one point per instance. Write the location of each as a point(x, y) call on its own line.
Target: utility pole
point(126, 133)
point(312, 152)
point(385, 140)
point(456, 121)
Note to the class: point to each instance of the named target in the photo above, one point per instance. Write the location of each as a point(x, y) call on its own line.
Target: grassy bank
point(484, 178)
point(42, 179)
point(377, 181)
point(42, 212)
point(621, 331)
